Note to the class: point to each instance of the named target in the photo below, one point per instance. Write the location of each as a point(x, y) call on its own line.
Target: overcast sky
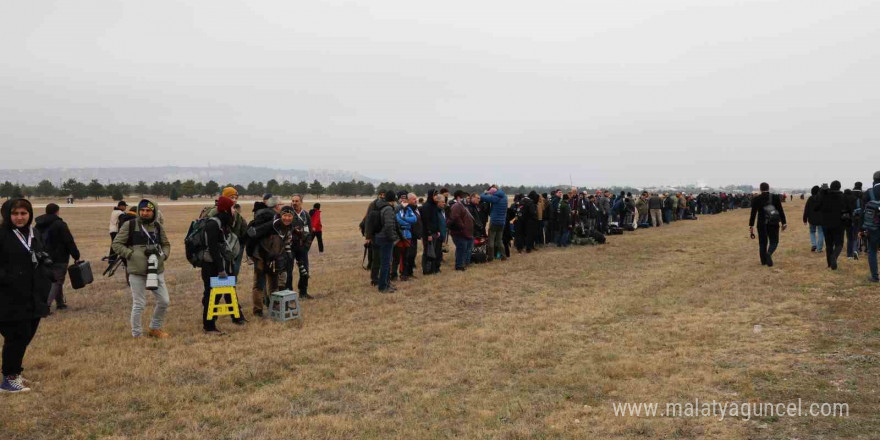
point(611, 92)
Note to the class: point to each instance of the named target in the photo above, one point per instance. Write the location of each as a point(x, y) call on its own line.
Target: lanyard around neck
point(26, 244)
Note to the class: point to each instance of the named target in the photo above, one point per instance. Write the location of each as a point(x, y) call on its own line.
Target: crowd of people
point(483, 228)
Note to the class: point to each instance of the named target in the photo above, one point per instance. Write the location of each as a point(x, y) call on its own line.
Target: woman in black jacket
point(831, 205)
point(817, 235)
point(25, 279)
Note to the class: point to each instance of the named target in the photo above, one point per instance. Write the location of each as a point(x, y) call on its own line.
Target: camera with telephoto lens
point(43, 258)
point(152, 272)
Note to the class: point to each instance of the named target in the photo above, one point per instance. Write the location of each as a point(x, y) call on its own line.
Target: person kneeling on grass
point(25, 277)
point(139, 239)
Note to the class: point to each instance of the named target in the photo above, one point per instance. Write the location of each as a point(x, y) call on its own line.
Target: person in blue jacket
point(497, 219)
point(407, 219)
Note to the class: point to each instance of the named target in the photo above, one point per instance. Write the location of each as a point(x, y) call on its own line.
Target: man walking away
point(768, 209)
point(817, 235)
point(832, 206)
point(59, 243)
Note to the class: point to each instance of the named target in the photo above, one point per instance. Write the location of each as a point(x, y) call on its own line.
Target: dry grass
point(538, 347)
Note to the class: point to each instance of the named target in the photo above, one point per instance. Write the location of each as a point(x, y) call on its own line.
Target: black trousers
point(768, 239)
point(409, 258)
point(375, 262)
point(17, 335)
point(833, 244)
point(319, 235)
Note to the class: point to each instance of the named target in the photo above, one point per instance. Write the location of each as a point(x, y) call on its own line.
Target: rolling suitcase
point(80, 274)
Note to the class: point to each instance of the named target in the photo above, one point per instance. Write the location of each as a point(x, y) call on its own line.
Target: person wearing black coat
point(60, 246)
point(25, 277)
point(853, 206)
point(768, 233)
point(431, 234)
point(221, 262)
point(831, 205)
point(817, 235)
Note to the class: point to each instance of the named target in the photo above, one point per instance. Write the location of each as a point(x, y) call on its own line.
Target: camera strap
point(150, 238)
point(27, 244)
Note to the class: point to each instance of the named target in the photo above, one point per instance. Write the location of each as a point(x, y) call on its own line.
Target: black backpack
point(771, 214)
point(196, 241)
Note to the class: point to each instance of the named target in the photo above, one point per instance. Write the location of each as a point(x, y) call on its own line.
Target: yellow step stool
point(220, 287)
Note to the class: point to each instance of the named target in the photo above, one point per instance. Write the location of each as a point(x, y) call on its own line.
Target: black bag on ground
point(80, 274)
point(615, 230)
point(598, 236)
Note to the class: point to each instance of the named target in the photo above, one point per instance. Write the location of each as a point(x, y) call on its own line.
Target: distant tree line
point(190, 189)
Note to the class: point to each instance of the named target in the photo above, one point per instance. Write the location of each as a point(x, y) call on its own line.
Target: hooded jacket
point(389, 232)
point(131, 242)
point(811, 215)
point(498, 213)
point(407, 219)
point(60, 244)
point(429, 216)
point(24, 287)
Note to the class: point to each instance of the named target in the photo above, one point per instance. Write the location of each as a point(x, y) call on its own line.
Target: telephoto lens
point(152, 272)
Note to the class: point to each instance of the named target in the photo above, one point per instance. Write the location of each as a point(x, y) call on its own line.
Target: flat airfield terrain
point(539, 347)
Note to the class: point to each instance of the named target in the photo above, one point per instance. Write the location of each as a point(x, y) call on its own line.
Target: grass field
point(537, 347)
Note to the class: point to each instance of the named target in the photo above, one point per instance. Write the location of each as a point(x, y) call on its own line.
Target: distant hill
point(220, 174)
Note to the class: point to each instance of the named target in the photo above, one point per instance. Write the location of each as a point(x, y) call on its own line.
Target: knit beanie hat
point(835, 185)
point(229, 192)
point(287, 210)
point(224, 204)
point(390, 197)
point(146, 204)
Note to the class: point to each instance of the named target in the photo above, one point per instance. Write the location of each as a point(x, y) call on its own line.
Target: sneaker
point(158, 334)
point(13, 384)
point(873, 280)
point(813, 249)
point(306, 296)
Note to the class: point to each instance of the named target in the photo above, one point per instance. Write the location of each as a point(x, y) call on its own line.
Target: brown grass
point(537, 347)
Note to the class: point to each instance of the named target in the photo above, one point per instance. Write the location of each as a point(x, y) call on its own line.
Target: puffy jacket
point(60, 244)
point(131, 242)
point(407, 219)
point(24, 289)
point(389, 232)
point(317, 226)
point(498, 213)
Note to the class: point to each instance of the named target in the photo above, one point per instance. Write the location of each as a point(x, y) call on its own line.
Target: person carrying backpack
point(137, 240)
point(870, 228)
point(386, 237)
point(768, 209)
point(854, 211)
point(222, 250)
point(60, 245)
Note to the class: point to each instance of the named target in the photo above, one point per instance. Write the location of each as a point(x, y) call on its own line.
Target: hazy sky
point(611, 92)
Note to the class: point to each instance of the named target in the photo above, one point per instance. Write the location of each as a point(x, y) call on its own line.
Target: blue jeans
point(562, 237)
point(873, 242)
point(385, 250)
point(817, 236)
point(462, 252)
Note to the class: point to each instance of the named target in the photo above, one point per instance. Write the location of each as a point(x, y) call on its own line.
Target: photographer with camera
point(219, 259)
point(300, 247)
point(272, 258)
point(25, 276)
point(144, 245)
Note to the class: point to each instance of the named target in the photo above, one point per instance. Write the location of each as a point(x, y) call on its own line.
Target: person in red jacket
point(317, 227)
